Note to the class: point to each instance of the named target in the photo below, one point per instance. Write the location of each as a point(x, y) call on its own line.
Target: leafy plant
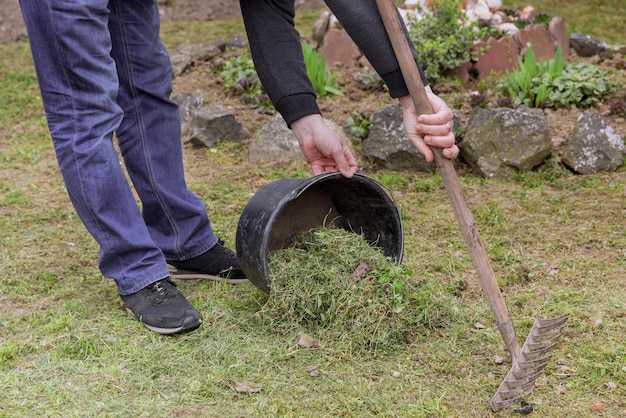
point(359, 124)
point(444, 39)
point(553, 84)
point(323, 82)
point(239, 77)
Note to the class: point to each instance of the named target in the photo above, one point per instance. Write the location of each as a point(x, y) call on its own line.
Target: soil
point(337, 109)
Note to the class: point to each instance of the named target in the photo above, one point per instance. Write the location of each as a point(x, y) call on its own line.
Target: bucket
point(283, 209)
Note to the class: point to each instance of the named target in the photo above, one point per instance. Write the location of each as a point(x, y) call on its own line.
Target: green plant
point(444, 39)
point(359, 123)
point(553, 84)
point(239, 77)
point(323, 82)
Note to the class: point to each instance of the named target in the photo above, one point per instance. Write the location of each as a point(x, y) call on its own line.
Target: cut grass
point(331, 284)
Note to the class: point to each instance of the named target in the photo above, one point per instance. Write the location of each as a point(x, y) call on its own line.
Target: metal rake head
point(533, 358)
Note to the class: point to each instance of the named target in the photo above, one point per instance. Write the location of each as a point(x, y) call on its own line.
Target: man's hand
point(323, 148)
point(425, 131)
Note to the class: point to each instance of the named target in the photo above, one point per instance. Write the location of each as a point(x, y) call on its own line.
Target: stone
point(187, 102)
point(501, 142)
point(321, 26)
point(210, 124)
point(388, 145)
point(587, 46)
point(594, 146)
point(180, 64)
point(558, 31)
point(538, 37)
point(202, 51)
point(478, 10)
point(339, 49)
point(277, 143)
point(527, 13)
point(500, 56)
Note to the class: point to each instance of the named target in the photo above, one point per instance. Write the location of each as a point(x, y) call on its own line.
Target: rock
point(527, 13)
point(202, 51)
point(558, 31)
point(538, 37)
point(321, 27)
point(180, 64)
point(586, 46)
point(478, 10)
point(494, 4)
point(210, 124)
point(500, 56)
point(187, 102)
point(501, 142)
point(509, 28)
point(388, 145)
point(339, 49)
point(277, 143)
point(594, 146)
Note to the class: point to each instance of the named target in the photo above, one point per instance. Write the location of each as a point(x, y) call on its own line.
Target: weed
point(323, 82)
point(359, 124)
point(553, 84)
point(239, 76)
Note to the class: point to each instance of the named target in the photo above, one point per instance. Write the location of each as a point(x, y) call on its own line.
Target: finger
point(317, 169)
point(439, 118)
point(345, 162)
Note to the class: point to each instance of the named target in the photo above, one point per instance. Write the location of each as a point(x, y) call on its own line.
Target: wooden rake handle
point(410, 72)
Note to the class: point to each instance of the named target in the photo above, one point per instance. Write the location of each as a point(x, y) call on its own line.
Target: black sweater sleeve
point(276, 49)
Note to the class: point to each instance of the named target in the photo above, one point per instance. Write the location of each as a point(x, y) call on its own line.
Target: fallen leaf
point(243, 388)
point(314, 370)
point(360, 272)
point(306, 341)
point(597, 406)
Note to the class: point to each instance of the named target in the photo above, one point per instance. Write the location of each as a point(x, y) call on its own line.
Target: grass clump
point(332, 285)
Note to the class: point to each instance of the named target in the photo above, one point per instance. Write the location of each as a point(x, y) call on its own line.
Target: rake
point(528, 361)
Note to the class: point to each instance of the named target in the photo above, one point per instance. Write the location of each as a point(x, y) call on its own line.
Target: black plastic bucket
point(281, 210)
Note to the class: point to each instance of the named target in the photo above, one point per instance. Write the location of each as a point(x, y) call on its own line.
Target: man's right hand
point(322, 147)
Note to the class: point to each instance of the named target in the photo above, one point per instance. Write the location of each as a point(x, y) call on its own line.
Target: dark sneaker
point(161, 307)
point(219, 263)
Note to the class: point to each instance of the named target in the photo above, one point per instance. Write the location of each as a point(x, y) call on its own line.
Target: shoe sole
point(186, 327)
point(191, 275)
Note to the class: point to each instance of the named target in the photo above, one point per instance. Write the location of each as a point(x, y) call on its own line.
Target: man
point(103, 70)
point(277, 54)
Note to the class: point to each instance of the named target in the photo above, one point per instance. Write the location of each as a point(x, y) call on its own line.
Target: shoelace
point(161, 293)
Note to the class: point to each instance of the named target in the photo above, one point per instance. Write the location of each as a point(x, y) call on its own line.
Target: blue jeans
point(102, 69)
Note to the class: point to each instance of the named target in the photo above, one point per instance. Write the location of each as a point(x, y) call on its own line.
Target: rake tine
point(528, 378)
point(523, 373)
point(540, 351)
point(547, 336)
point(528, 366)
point(521, 389)
point(551, 322)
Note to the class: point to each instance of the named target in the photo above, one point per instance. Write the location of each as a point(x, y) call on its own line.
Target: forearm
point(363, 23)
point(276, 49)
